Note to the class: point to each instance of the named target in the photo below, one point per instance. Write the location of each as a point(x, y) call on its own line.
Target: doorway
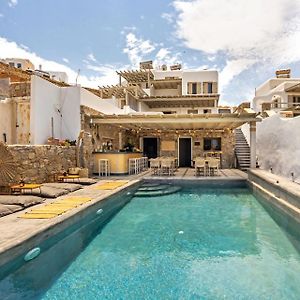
point(150, 147)
point(185, 152)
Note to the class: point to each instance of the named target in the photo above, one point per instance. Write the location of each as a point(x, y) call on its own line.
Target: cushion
point(9, 209)
point(21, 200)
point(87, 181)
point(71, 187)
point(49, 192)
point(73, 171)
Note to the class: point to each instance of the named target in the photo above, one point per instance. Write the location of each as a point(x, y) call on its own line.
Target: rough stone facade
point(37, 163)
point(19, 89)
point(227, 144)
point(101, 134)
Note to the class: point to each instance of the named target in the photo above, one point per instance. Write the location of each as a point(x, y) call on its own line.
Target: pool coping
point(45, 228)
point(277, 191)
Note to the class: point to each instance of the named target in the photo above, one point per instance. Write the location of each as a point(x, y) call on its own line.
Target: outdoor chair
point(200, 166)
point(167, 166)
point(155, 166)
point(213, 166)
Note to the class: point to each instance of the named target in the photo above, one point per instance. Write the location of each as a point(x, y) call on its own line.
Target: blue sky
point(246, 41)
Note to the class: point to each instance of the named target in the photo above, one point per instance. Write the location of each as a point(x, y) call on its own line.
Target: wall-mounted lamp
point(293, 176)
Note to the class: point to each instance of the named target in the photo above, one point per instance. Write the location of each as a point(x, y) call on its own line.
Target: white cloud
point(91, 57)
point(233, 68)
point(165, 56)
point(168, 17)
point(107, 72)
point(127, 29)
point(64, 59)
point(11, 49)
point(12, 3)
point(24, 47)
point(137, 48)
point(242, 32)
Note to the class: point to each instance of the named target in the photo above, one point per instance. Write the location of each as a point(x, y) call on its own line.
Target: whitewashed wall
point(46, 100)
point(106, 106)
point(197, 76)
point(188, 76)
point(5, 121)
point(278, 145)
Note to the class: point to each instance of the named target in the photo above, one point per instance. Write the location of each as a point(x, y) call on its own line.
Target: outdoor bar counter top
point(118, 160)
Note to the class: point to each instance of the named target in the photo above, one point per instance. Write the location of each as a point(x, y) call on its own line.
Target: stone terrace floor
point(186, 173)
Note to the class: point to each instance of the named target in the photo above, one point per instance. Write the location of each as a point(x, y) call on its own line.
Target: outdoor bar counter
point(118, 160)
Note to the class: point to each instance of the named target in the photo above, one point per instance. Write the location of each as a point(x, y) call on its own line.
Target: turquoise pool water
point(200, 243)
point(195, 244)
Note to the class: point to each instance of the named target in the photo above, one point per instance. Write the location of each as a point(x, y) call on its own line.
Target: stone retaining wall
point(37, 163)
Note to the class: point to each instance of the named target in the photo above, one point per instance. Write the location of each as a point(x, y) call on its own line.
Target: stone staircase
point(242, 150)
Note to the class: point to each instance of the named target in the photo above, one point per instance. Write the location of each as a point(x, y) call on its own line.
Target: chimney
point(40, 67)
point(283, 73)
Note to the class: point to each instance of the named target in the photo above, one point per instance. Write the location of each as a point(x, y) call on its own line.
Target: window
point(19, 66)
point(224, 110)
point(212, 144)
point(171, 112)
point(207, 111)
point(209, 87)
point(194, 88)
point(192, 111)
point(296, 99)
point(11, 64)
point(122, 103)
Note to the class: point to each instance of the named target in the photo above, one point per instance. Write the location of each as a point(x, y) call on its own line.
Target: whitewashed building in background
point(19, 63)
point(277, 93)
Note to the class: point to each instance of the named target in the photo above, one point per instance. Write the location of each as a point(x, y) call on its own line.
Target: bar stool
point(145, 163)
point(104, 167)
point(133, 165)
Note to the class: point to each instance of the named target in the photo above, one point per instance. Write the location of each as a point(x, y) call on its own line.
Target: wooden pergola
point(166, 83)
point(177, 122)
point(136, 76)
point(207, 100)
point(118, 91)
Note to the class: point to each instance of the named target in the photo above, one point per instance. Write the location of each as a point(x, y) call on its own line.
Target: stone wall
point(19, 89)
point(38, 163)
point(101, 133)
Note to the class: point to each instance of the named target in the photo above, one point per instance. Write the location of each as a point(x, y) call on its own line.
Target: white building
point(19, 63)
point(277, 93)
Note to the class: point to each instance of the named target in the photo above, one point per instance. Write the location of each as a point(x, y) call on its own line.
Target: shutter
point(215, 87)
point(198, 87)
point(205, 88)
point(189, 88)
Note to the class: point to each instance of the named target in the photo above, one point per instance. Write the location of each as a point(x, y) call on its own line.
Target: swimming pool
point(199, 243)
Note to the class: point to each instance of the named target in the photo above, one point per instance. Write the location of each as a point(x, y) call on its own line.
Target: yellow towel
point(38, 216)
point(74, 200)
point(50, 210)
point(56, 208)
point(63, 204)
point(111, 185)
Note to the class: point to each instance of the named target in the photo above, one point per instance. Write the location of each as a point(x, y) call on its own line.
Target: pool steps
point(156, 190)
